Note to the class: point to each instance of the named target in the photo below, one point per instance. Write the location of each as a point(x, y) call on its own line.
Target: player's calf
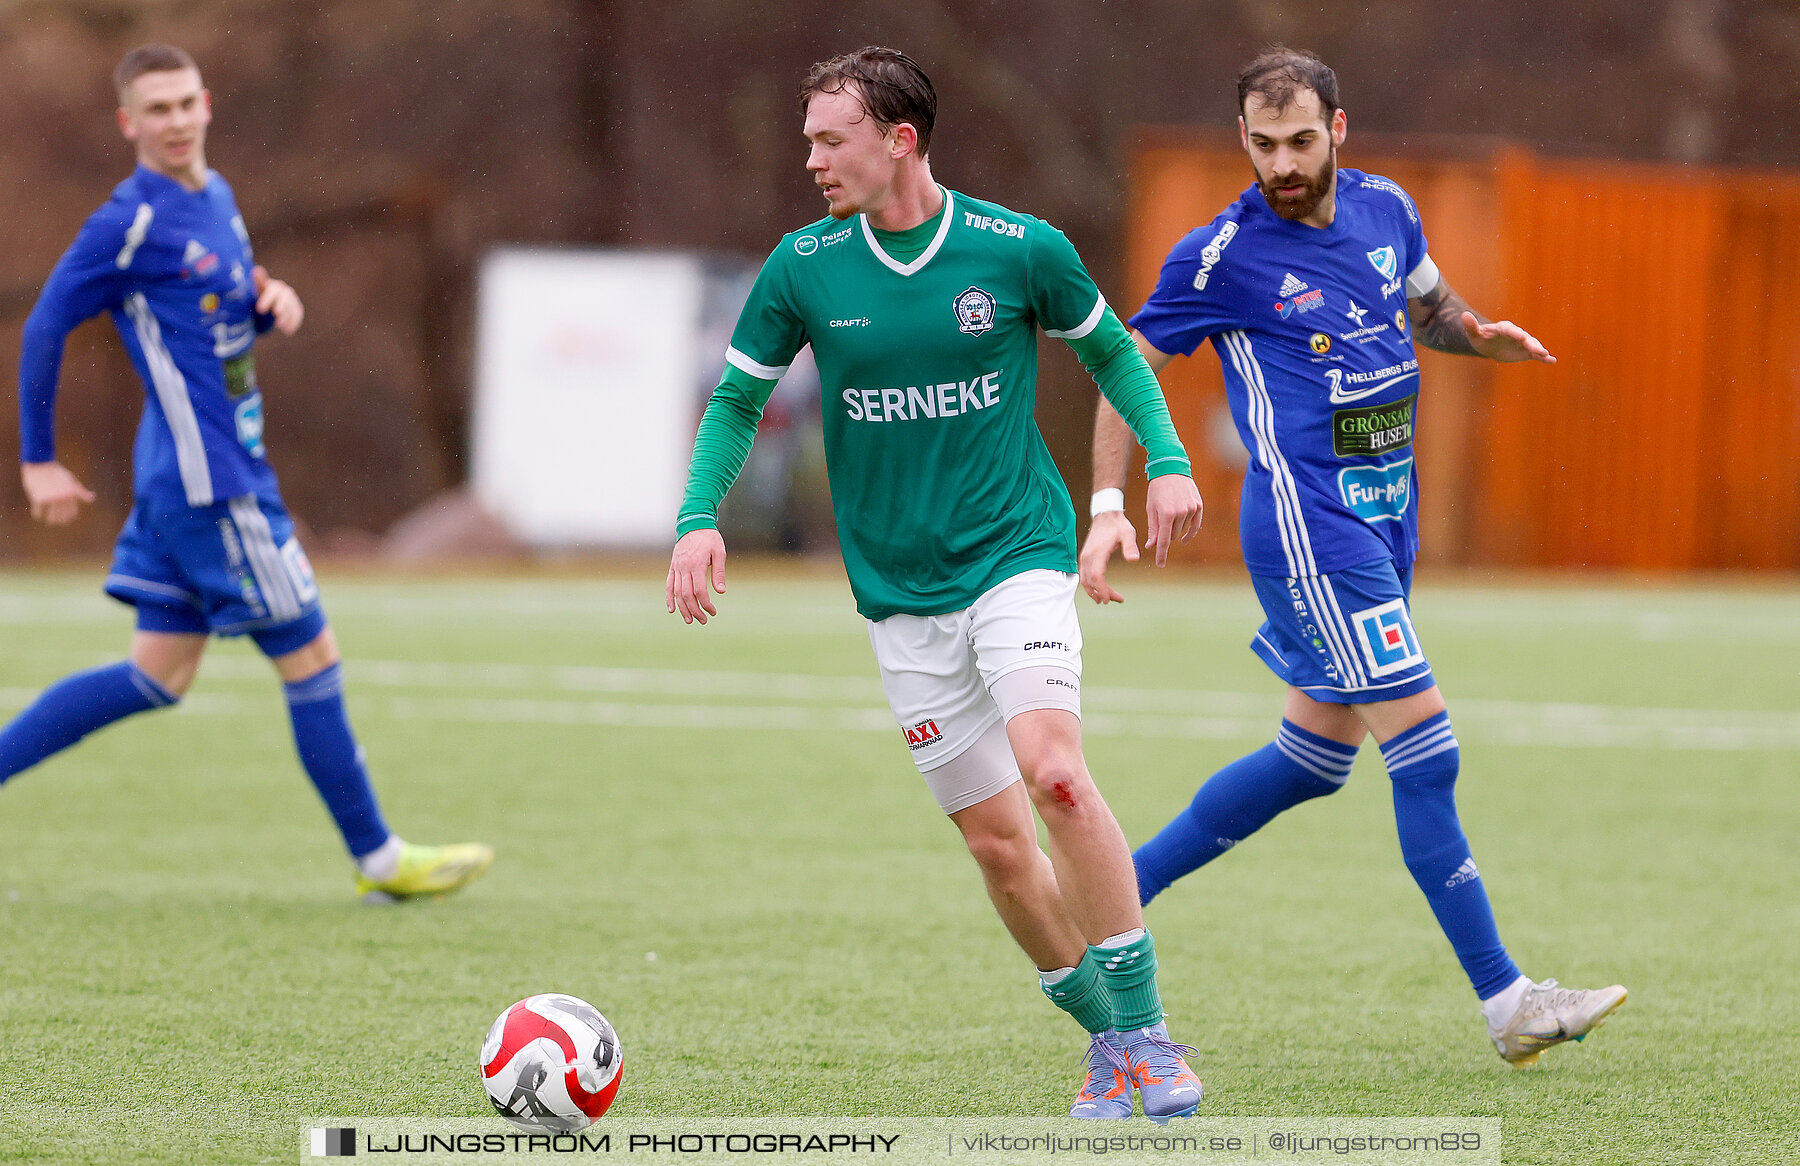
point(75, 706)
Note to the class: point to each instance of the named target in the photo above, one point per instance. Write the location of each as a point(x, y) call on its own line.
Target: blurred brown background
point(380, 147)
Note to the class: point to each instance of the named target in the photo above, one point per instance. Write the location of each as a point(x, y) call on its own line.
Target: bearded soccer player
point(209, 548)
point(922, 306)
point(1313, 288)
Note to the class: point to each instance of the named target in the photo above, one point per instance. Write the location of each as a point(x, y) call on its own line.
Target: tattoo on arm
point(1437, 320)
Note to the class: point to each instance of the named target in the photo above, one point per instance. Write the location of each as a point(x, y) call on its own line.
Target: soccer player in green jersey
point(922, 307)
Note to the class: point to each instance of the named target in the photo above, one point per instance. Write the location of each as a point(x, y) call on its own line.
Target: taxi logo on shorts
point(974, 311)
point(923, 734)
point(1321, 343)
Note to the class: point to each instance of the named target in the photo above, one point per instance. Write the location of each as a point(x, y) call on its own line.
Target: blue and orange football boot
point(1168, 1087)
point(1106, 1091)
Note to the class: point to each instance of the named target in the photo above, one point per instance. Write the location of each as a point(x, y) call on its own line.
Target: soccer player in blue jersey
point(208, 548)
point(1313, 288)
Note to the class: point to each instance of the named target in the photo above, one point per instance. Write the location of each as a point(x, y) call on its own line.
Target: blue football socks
point(333, 759)
point(1423, 763)
point(1241, 799)
point(75, 706)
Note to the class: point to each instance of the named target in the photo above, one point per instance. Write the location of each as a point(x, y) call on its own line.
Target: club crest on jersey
point(974, 311)
point(1385, 261)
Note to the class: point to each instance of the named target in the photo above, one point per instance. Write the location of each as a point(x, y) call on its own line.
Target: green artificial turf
point(716, 836)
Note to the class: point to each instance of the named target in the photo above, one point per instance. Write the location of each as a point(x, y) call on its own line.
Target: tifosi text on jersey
point(998, 226)
point(915, 401)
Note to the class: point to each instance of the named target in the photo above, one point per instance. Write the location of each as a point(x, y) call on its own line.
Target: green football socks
point(1127, 965)
point(1081, 993)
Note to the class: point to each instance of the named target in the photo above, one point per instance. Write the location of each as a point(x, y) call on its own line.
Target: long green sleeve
point(726, 430)
point(1113, 360)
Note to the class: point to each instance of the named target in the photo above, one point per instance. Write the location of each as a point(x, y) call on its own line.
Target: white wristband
point(1106, 502)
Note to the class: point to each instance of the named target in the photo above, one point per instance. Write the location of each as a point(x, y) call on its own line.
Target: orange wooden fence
point(1667, 436)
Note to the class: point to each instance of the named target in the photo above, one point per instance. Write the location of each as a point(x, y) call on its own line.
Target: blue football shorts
point(1346, 637)
point(230, 569)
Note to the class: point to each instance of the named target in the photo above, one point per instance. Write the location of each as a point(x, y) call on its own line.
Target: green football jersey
point(941, 483)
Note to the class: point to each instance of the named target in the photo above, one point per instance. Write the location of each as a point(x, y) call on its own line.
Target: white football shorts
point(952, 678)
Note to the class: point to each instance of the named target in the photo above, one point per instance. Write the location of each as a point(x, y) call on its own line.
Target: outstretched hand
point(699, 560)
point(1172, 512)
point(54, 493)
point(1110, 532)
point(1504, 340)
point(275, 298)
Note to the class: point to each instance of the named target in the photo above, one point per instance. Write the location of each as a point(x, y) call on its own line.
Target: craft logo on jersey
point(1377, 493)
point(922, 735)
point(1385, 261)
point(974, 311)
point(1388, 642)
point(806, 244)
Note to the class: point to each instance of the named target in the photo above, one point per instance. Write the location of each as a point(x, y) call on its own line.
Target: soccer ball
point(551, 1063)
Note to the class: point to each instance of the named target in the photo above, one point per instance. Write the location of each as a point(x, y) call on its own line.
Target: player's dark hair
point(149, 59)
point(890, 85)
point(1279, 73)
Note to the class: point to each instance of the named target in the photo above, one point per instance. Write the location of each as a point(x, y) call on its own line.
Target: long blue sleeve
point(87, 280)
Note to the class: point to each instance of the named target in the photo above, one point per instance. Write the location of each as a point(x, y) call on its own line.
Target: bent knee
point(1061, 786)
point(170, 659)
point(1003, 856)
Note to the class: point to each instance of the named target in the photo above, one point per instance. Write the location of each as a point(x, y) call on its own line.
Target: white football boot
point(1550, 1014)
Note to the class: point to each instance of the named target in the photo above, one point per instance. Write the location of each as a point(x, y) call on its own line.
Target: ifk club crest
point(974, 311)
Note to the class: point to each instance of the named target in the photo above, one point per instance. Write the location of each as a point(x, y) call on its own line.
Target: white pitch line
point(853, 702)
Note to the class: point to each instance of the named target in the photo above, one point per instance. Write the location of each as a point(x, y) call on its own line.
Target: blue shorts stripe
point(265, 560)
point(1343, 637)
point(221, 563)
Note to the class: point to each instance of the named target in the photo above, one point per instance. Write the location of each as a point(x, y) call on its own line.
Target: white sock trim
point(1499, 1007)
point(1055, 976)
point(380, 863)
point(1123, 938)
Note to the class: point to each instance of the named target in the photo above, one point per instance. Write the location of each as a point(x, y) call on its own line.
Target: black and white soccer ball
point(551, 1064)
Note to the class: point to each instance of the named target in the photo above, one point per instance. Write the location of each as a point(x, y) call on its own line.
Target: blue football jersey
point(173, 267)
point(1310, 325)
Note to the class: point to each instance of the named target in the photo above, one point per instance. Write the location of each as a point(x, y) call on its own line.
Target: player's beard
point(1308, 200)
